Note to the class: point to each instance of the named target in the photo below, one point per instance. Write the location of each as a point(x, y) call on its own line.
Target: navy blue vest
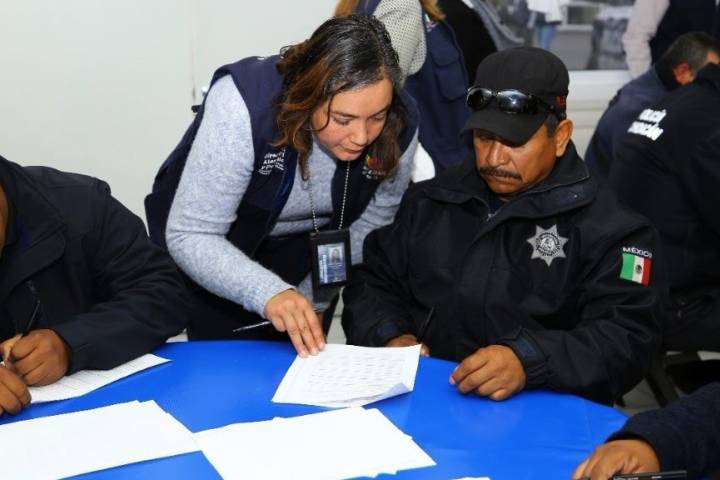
point(259, 83)
point(684, 16)
point(439, 88)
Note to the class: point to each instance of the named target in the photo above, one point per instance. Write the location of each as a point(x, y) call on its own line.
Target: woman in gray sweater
point(315, 142)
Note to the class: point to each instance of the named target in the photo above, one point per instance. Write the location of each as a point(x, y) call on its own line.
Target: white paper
point(86, 381)
point(337, 444)
point(75, 443)
point(349, 376)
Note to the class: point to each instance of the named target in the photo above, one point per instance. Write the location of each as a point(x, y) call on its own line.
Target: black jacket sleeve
point(141, 298)
point(617, 334)
point(701, 176)
point(685, 435)
point(377, 300)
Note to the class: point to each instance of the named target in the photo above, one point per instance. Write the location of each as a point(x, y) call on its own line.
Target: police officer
point(81, 284)
point(531, 275)
point(668, 170)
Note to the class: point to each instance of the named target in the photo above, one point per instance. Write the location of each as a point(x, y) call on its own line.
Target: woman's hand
point(291, 312)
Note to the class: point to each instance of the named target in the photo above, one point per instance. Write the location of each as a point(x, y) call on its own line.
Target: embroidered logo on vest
point(274, 159)
point(547, 244)
point(372, 168)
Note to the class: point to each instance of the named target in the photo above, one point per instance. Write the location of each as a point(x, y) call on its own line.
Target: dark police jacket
point(638, 94)
point(541, 275)
point(103, 286)
point(669, 171)
point(259, 83)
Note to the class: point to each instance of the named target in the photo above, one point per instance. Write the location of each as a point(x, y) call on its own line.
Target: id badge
point(330, 258)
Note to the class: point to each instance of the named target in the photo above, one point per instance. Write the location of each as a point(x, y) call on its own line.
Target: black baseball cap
point(531, 70)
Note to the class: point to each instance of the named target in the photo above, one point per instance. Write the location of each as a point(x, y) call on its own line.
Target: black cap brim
point(514, 128)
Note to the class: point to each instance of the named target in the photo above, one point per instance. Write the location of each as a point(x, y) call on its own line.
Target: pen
point(425, 325)
point(667, 475)
point(29, 325)
point(252, 325)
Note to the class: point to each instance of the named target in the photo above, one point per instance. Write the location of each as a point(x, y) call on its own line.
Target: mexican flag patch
point(635, 268)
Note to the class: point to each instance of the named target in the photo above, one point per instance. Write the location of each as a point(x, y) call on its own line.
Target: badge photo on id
point(331, 258)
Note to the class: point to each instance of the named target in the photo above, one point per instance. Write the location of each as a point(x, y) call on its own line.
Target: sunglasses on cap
point(510, 101)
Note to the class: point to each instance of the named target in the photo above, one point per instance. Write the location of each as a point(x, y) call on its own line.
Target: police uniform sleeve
point(701, 176)
point(141, 298)
point(617, 330)
point(377, 299)
point(685, 435)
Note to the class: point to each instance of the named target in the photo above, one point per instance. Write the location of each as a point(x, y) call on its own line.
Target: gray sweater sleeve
point(216, 175)
point(403, 21)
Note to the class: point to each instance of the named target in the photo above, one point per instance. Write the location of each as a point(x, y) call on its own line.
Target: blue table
point(534, 435)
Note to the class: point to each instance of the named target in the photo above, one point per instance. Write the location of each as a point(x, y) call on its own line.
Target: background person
point(655, 24)
point(678, 66)
point(432, 63)
point(668, 171)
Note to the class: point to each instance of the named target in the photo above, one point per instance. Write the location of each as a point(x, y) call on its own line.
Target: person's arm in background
point(685, 435)
point(644, 20)
point(378, 213)
point(216, 175)
point(404, 23)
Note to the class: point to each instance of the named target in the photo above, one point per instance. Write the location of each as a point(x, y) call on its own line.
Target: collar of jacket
point(568, 186)
point(709, 75)
point(39, 230)
point(663, 71)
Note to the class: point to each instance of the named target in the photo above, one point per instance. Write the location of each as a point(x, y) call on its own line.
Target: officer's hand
point(6, 347)
point(493, 371)
point(408, 340)
point(39, 358)
point(619, 456)
point(291, 312)
point(14, 394)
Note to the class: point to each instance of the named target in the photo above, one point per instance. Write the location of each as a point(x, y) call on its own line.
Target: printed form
point(349, 376)
point(86, 381)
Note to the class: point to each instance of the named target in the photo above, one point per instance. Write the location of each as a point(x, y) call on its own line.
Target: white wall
point(104, 87)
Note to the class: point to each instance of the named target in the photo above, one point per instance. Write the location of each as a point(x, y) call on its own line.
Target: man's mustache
point(497, 172)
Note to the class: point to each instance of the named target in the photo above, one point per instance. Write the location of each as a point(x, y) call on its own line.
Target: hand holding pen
point(39, 357)
point(14, 394)
point(408, 340)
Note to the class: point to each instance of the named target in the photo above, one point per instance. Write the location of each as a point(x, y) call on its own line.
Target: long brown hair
point(344, 53)
point(346, 7)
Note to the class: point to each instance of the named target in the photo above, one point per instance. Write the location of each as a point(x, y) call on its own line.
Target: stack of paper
point(81, 442)
point(86, 381)
point(349, 376)
point(336, 444)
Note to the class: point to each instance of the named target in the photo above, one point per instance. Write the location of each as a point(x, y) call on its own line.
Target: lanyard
point(344, 198)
